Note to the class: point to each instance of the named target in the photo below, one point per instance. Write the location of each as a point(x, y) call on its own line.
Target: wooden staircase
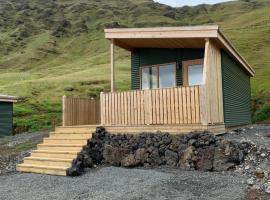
point(57, 152)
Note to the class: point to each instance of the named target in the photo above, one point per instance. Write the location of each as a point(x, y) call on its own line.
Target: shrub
point(262, 114)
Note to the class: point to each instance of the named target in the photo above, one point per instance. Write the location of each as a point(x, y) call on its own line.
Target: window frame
point(158, 66)
point(186, 64)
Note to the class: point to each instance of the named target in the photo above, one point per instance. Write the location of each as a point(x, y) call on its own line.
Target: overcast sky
point(188, 2)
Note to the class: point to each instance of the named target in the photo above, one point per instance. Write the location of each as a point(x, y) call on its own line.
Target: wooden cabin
point(6, 114)
point(183, 79)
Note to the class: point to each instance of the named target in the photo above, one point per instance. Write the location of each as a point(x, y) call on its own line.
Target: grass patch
point(24, 147)
point(262, 114)
point(40, 68)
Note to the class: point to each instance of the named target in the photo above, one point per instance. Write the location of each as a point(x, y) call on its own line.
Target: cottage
point(183, 79)
point(6, 114)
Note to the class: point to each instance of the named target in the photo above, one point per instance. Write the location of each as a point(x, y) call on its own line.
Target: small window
point(193, 72)
point(195, 75)
point(167, 76)
point(158, 76)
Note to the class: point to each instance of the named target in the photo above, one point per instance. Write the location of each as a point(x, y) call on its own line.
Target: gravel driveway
point(118, 183)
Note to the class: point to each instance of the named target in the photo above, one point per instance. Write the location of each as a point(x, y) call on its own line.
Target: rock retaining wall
point(195, 151)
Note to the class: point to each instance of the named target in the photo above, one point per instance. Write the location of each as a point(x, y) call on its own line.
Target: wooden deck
point(135, 129)
point(173, 110)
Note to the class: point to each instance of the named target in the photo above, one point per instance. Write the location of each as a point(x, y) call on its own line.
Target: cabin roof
point(174, 37)
point(7, 98)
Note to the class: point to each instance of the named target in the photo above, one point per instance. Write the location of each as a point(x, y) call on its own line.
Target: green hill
point(56, 47)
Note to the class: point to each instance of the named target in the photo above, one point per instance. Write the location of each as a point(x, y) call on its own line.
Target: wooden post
point(112, 67)
point(102, 109)
point(64, 110)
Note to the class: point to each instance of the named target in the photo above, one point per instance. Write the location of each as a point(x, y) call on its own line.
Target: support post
point(64, 110)
point(112, 67)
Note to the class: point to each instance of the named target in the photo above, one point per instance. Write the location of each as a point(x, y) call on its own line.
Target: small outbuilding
point(6, 114)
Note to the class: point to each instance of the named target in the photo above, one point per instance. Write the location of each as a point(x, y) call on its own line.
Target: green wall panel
point(6, 118)
point(150, 56)
point(236, 93)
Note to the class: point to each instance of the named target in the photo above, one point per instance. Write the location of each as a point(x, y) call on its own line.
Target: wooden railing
point(80, 111)
point(179, 105)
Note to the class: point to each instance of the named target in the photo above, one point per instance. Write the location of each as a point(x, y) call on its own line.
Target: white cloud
point(190, 2)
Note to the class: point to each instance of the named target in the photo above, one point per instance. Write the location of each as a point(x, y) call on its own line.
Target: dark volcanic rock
point(114, 155)
point(171, 158)
point(129, 161)
point(204, 159)
point(140, 155)
point(197, 151)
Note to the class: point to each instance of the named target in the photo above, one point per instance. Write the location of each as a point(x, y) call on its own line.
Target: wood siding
point(212, 98)
point(80, 111)
point(179, 105)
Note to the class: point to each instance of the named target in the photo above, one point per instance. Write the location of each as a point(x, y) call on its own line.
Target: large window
point(158, 76)
point(193, 72)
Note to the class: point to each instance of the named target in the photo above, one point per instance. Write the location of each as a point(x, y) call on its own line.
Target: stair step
point(54, 154)
point(75, 129)
point(71, 135)
point(57, 152)
point(64, 141)
point(56, 162)
point(60, 147)
point(41, 169)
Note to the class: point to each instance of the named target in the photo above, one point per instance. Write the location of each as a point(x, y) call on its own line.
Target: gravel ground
point(14, 148)
point(258, 134)
point(11, 141)
point(134, 184)
point(109, 183)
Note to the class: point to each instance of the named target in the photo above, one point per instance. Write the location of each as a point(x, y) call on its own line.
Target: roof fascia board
point(8, 100)
point(160, 34)
point(234, 53)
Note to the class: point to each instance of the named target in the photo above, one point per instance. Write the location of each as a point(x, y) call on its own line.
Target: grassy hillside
point(58, 47)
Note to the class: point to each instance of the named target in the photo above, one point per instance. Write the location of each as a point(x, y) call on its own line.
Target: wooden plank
point(142, 107)
point(197, 105)
point(146, 106)
point(192, 102)
point(176, 104)
point(122, 109)
point(184, 97)
point(64, 98)
point(168, 106)
point(157, 107)
point(150, 106)
point(131, 108)
point(161, 105)
point(135, 107)
point(112, 109)
point(112, 67)
point(173, 105)
point(180, 100)
point(128, 109)
point(125, 107)
point(153, 103)
point(107, 108)
point(165, 106)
